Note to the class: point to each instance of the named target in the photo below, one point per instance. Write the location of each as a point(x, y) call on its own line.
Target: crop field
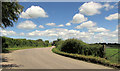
point(112, 54)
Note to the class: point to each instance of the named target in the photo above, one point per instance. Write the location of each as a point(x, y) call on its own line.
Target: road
point(44, 58)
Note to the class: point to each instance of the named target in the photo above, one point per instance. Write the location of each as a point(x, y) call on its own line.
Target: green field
point(112, 54)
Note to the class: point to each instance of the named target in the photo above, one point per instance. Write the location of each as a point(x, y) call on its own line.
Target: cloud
point(88, 37)
point(41, 26)
point(112, 17)
point(41, 33)
point(27, 25)
point(51, 24)
point(22, 34)
point(107, 34)
point(61, 33)
point(91, 26)
point(97, 29)
point(54, 24)
point(88, 24)
point(7, 33)
point(34, 12)
point(52, 34)
point(68, 24)
point(78, 18)
point(90, 8)
point(58, 32)
point(107, 6)
point(10, 33)
point(61, 25)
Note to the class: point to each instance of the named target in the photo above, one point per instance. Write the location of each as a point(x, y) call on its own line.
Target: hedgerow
point(14, 43)
point(92, 59)
point(79, 47)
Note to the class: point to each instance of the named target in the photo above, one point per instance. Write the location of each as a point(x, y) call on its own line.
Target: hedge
point(92, 59)
point(16, 43)
point(80, 47)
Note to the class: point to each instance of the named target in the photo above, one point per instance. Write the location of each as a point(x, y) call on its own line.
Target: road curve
point(44, 58)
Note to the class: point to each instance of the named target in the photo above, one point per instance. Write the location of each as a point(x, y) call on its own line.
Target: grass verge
point(92, 59)
point(7, 50)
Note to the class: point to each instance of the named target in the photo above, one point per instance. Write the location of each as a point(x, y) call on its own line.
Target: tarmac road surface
point(44, 58)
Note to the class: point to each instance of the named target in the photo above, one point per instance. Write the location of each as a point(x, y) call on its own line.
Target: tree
point(10, 13)
point(39, 40)
point(46, 41)
point(59, 39)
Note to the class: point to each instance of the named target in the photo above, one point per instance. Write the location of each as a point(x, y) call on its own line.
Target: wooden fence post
point(104, 50)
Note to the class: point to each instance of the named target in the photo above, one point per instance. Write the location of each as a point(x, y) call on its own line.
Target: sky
point(92, 22)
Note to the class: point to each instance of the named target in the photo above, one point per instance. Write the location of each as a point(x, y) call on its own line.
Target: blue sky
point(91, 21)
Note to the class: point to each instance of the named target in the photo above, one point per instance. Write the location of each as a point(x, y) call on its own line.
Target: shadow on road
point(5, 63)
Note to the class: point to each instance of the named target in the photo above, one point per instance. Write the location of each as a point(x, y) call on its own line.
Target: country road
point(44, 58)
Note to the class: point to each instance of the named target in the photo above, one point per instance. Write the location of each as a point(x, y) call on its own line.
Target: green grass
point(19, 48)
point(110, 52)
point(6, 50)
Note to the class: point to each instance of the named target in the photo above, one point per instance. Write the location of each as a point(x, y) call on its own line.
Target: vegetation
point(10, 13)
point(56, 41)
point(95, 53)
point(110, 45)
point(79, 47)
point(112, 54)
point(18, 48)
point(13, 44)
point(92, 59)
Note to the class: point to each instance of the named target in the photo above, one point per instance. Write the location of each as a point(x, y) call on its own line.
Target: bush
point(79, 47)
point(59, 44)
point(73, 46)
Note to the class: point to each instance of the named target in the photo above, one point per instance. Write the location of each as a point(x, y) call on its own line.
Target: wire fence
point(112, 54)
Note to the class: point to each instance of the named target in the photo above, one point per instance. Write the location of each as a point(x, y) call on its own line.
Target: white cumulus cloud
point(98, 29)
point(107, 6)
point(78, 18)
point(22, 34)
point(51, 24)
point(61, 25)
point(90, 8)
point(68, 24)
point(112, 17)
point(10, 33)
point(41, 26)
point(27, 25)
point(88, 24)
point(34, 12)
point(7, 33)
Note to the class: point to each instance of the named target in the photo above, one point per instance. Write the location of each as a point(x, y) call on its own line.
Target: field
point(112, 54)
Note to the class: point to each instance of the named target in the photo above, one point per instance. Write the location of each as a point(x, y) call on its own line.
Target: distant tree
point(54, 42)
point(59, 39)
point(10, 13)
point(39, 40)
point(46, 41)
